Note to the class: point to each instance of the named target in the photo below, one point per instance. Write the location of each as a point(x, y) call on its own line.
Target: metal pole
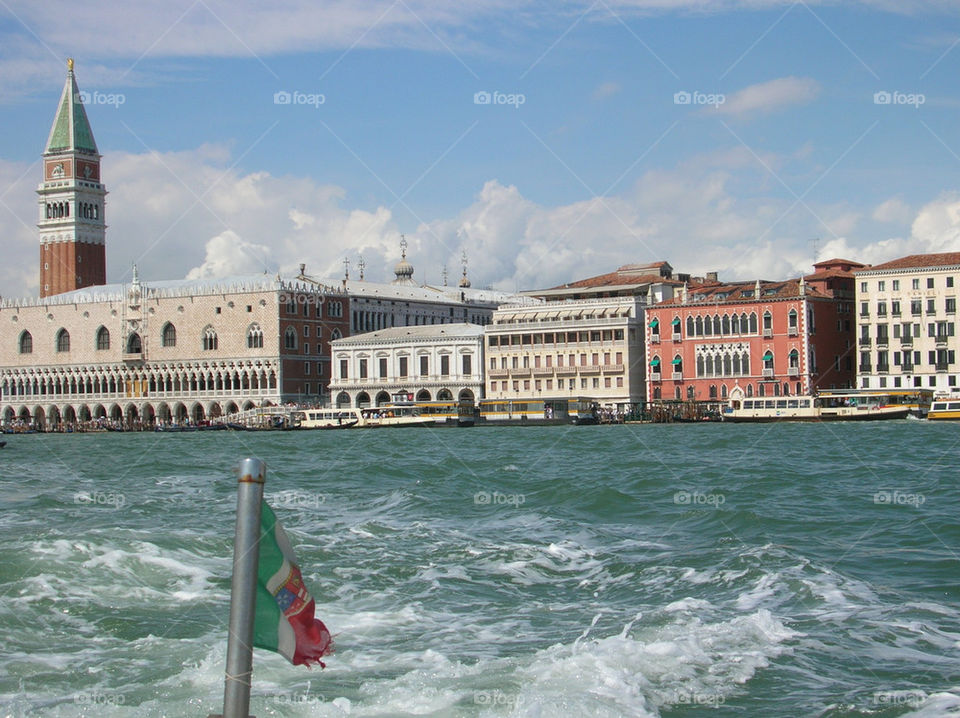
point(243, 591)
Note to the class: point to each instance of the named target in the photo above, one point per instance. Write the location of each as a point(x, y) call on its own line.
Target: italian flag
point(284, 620)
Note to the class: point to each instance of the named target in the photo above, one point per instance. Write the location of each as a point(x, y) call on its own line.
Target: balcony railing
point(907, 368)
point(906, 341)
point(543, 371)
point(865, 368)
point(942, 366)
point(883, 341)
point(498, 373)
point(941, 339)
point(792, 331)
point(676, 336)
point(793, 371)
point(654, 338)
point(768, 373)
point(590, 369)
point(520, 371)
point(883, 368)
point(865, 341)
point(677, 376)
point(566, 370)
point(767, 333)
point(613, 369)
point(655, 376)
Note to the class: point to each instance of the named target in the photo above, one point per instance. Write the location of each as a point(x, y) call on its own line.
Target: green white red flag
point(285, 620)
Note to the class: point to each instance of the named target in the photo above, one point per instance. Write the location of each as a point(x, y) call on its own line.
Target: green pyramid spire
point(71, 129)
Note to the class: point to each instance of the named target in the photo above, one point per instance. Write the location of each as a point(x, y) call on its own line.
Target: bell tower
point(71, 199)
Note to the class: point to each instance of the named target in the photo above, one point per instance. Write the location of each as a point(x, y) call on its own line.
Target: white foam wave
point(684, 662)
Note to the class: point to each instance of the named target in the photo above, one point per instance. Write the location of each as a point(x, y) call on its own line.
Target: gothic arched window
point(169, 335)
point(210, 342)
point(103, 338)
point(63, 341)
point(254, 337)
point(26, 342)
point(290, 338)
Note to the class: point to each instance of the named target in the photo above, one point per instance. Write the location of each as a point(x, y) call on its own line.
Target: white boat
point(326, 418)
point(395, 414)
point(401, 413)
point(945, 410)
point(838, 405)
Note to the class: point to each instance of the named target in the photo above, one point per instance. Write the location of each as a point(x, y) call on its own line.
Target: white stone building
point(587, 348)
point(165, 351)
point(907, 317)
point(433, 363)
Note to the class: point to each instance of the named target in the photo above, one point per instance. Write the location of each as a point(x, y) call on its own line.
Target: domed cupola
point(403, 270)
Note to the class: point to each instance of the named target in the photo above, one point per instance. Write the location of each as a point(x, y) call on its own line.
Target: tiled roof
point(617, 279)
point(916, 261)
point(741, 292)
point(838, 261)
point(828, 274)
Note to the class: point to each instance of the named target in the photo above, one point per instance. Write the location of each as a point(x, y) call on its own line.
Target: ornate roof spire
point(464, 280)
point(361, 265)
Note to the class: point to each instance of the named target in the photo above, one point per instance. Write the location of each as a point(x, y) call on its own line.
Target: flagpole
point(243, 591)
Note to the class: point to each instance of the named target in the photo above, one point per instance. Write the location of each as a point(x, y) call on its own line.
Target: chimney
point(713, 277)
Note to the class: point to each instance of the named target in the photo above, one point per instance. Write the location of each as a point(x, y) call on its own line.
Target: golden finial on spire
point(70, 64)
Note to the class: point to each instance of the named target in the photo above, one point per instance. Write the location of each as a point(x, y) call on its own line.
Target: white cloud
point(710, 213)
point(893, 211)
point(935, 228)
point(770, 96)
point(227, 254)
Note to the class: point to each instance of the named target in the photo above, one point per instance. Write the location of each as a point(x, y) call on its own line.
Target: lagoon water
point(667, 570)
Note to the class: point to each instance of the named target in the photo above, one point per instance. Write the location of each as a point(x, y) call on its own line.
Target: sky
point(549, 141)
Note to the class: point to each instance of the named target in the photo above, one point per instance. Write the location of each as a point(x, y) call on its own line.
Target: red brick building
point(742, 339)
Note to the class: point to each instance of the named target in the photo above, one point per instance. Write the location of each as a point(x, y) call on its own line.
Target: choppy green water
point(775, 570)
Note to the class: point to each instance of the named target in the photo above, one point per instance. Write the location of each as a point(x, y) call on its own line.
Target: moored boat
point(945, 410)
point(401, 413)
point(326, 418)
point(833, 405)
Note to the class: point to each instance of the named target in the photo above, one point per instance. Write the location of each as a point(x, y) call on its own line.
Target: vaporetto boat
point(398, 414)
point(834, 405)
point(945, 410)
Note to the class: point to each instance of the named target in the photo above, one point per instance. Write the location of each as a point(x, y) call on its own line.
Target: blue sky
point(599, 165)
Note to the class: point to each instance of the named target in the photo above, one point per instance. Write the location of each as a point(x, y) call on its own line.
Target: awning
point(676, 322)
point(768, 356)
point(655, 362)
point(654, 324)
point(676, 361)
